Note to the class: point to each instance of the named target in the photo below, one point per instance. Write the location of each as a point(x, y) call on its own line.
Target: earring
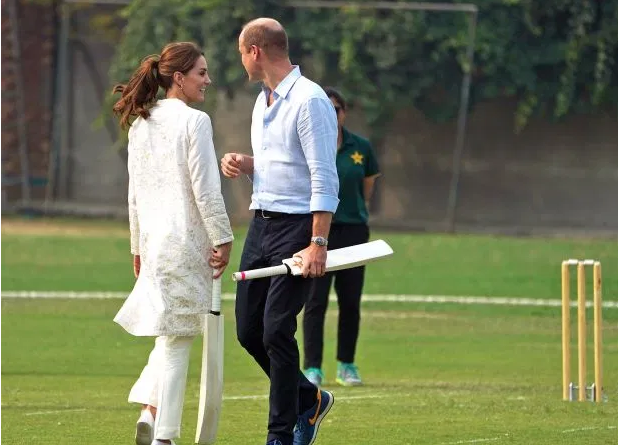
point(181, 87)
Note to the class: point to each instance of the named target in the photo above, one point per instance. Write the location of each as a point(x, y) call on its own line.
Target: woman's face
point(195, 81)
point(340, 112)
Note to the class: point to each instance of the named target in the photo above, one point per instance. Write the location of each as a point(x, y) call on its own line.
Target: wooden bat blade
point(336, 259)
point(211, 383)
point(348, 257)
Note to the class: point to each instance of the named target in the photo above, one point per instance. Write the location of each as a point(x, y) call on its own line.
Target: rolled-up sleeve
point(317, 130)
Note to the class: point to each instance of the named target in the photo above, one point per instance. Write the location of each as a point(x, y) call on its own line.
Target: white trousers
point(163, 382)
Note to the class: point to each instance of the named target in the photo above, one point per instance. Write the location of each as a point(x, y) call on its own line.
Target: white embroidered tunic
point(176, 216)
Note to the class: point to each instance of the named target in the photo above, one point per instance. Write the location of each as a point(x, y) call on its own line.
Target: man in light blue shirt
point(293, 154)
point(295, 194)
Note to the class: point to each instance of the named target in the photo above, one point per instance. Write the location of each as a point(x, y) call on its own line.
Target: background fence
point(553, 177)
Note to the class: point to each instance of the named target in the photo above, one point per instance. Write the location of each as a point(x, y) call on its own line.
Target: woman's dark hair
point(334, 94)
point(156, 70)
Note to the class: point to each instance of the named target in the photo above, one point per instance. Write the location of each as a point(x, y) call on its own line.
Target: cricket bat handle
point(216, 296)
point(283, 269)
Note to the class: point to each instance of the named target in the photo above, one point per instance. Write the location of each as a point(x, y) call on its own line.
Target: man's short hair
point(273, 41)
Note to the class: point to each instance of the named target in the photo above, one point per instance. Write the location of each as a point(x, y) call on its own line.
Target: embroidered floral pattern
point(176, 215)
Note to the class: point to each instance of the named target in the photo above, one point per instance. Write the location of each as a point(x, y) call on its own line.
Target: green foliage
point(554, 57)
point(213, 24)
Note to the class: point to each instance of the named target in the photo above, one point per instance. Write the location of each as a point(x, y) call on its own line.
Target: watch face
point(320, 241)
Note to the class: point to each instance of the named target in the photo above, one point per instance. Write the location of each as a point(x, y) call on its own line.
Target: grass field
point(434, 373)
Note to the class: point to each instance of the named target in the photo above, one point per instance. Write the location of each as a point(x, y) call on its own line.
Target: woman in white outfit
point(180, 232)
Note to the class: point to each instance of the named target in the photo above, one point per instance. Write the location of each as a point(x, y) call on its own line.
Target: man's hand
point(136, 265)
point(233, 164)
point(312, 260)
point(219, 258)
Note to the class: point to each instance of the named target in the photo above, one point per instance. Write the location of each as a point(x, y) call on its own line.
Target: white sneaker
point(144, 429)
point(158, 442)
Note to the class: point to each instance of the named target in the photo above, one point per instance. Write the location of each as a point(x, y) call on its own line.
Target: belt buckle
point(264, 215)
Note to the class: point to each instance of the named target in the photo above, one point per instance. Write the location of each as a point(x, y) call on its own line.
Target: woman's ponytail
point(140, 93)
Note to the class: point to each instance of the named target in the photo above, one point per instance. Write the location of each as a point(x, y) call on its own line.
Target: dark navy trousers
point(266, 311)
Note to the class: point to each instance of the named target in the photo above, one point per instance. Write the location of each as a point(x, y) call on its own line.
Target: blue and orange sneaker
point(308, 422)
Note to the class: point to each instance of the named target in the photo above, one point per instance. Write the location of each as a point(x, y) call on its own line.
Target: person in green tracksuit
point(358, 169)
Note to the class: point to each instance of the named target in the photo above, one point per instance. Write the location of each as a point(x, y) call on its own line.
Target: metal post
point(461, 127)
point(465, 83)
point(401, 6)
point(22, 130)
point(57, 167)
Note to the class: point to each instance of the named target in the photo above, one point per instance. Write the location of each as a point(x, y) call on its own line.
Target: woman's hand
point(219, 258)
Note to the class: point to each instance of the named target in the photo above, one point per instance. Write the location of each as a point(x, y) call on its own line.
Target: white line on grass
point(57, 411)
point(489, 439)
point(467, 300)
point(256, 397)
point(590, 428)
point(357, 397)
point(248, 397)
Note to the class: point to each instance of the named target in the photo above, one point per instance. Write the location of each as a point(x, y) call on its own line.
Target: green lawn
point(432, 376)
point(435, 374)
point(422, 263)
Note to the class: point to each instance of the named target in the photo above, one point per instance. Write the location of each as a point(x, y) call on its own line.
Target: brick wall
point(36, 26)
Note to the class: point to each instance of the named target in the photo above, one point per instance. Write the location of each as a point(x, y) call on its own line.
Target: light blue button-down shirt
point(294, 148)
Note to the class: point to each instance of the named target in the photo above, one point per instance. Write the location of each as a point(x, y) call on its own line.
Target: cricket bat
point(336, 259)
point(211, 382)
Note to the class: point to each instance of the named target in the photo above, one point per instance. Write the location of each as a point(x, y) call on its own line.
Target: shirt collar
point(286, 84)
point(346, 138)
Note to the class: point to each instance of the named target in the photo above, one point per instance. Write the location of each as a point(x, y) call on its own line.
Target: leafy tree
point(555, 57)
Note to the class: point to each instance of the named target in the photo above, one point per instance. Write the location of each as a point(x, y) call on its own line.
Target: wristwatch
point(320, 241)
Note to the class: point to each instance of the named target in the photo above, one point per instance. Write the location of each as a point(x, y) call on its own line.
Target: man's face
point(248, 57)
